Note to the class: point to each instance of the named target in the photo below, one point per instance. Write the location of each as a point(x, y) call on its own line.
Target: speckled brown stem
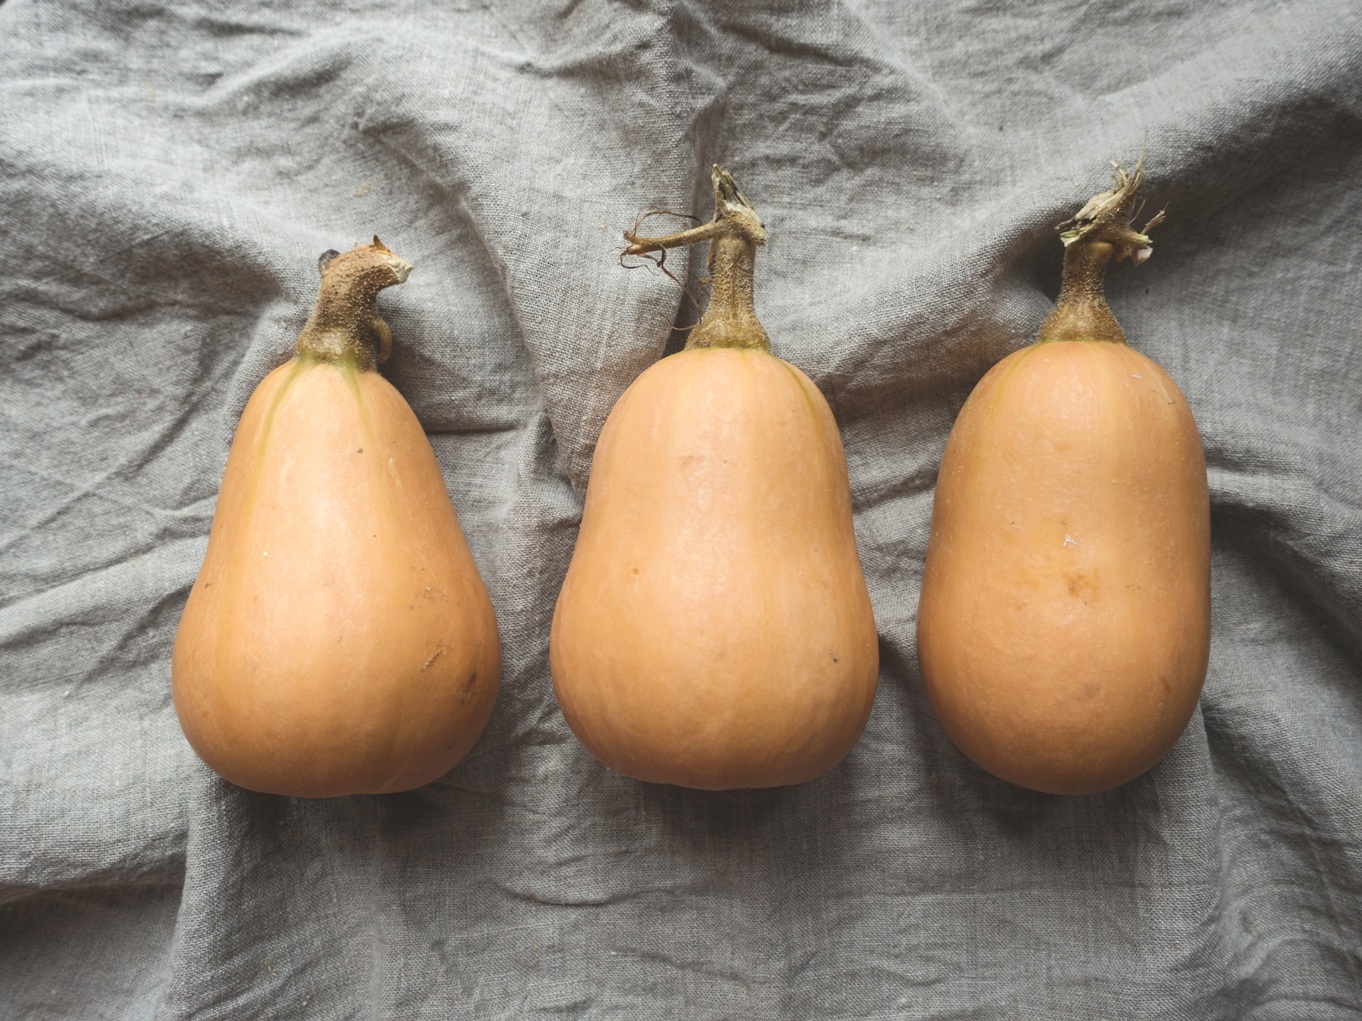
point(344, 324)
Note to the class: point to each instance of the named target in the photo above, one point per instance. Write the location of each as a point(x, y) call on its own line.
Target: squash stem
point(345, 324)
point(1099, 233)
point(734, 234)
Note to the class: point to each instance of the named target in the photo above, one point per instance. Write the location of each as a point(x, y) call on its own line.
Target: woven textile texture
point(170, 172)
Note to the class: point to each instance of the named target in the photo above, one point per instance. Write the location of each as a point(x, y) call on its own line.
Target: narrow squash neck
point(345, 324)
point(731, 318)
point(1082, 312)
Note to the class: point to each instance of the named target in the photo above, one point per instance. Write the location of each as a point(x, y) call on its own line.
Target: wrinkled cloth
point(170, 172)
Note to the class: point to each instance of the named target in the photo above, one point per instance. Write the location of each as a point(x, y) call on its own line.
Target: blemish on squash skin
point(350, 373)
point(1079, 583)
point(440, 651)
point(466, 692)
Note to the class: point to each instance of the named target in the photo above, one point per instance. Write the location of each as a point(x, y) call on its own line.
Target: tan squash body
point(1064, 626)
point(1064, 623)
point(339, 638)
point(714, 629)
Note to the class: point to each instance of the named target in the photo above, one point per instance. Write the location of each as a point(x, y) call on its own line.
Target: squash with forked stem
point(714, 629)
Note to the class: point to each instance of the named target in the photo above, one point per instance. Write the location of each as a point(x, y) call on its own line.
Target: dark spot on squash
point(1079, 583)
point(466, 691)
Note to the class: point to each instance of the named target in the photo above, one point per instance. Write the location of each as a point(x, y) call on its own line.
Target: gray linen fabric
point(169, 174)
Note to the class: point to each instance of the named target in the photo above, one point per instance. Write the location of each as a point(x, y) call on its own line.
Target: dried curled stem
point(1106, 217)
point(733, 215)
point(734, 233)
point(658, 258)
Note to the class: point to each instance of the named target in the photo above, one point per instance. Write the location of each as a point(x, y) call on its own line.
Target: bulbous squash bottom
point(1064, 622)
point(714, 629)
point(339, 638)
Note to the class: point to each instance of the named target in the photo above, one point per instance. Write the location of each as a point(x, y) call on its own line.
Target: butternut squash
point(339, 638)
point(714, 629)
point(1064, 624)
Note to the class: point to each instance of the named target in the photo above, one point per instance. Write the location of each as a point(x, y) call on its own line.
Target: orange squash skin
point(339, 638)
point(1064, 624)
point(714, 629)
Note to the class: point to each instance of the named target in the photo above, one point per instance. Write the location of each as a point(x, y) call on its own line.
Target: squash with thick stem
point(338, 639)
point(714, 629)
point(1064, 624)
